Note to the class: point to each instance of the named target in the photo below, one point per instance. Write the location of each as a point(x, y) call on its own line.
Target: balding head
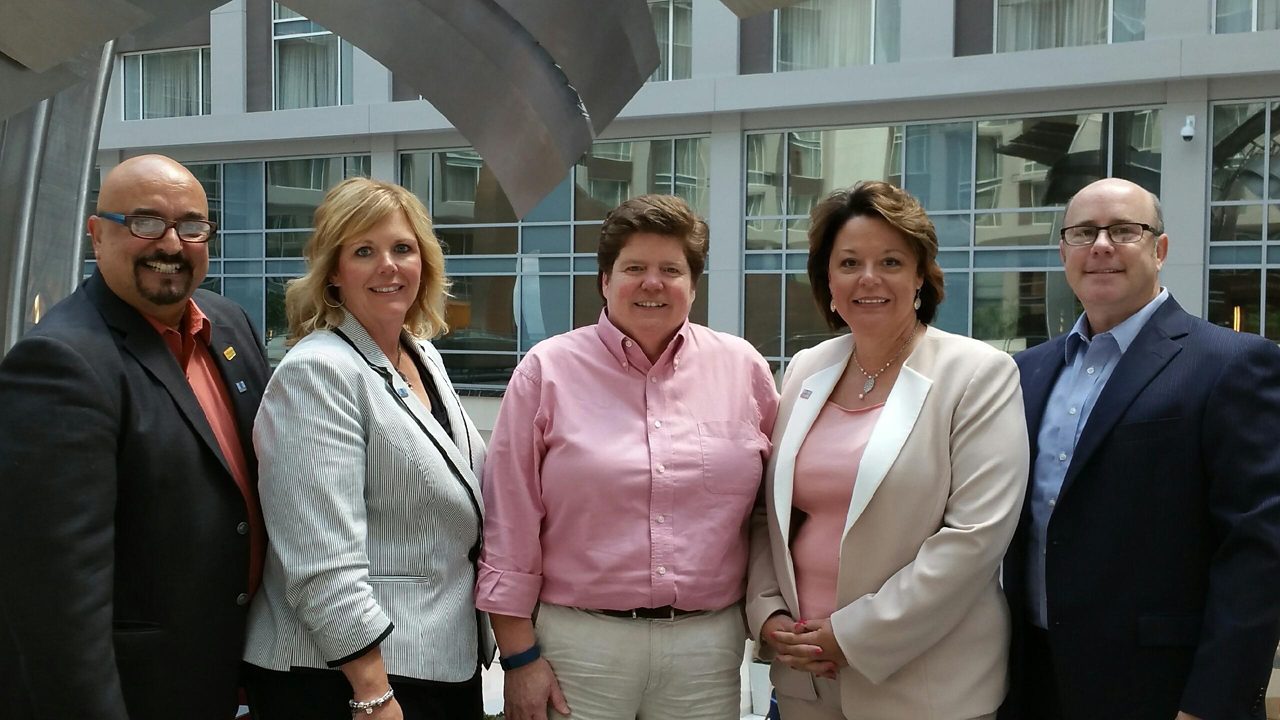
point(157, 276)
point(1122, 186)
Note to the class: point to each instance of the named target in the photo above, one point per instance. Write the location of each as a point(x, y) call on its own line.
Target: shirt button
point(657, 423)
point(1053, 502)
point(627, 343)
point(242, 599)
point(662, 519)
point(1090, 371)
point(1072, 411)
point(676, 362)
point(662, 570)
point(662, 468)
point(624, 363)
point(1062, 457)
point(653, 378)
point(243, 528)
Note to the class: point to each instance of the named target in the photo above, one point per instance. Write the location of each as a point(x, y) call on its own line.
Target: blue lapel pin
point(402, 392)
point(240, 386)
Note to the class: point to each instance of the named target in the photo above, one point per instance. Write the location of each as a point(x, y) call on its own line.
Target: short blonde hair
point(350, 209)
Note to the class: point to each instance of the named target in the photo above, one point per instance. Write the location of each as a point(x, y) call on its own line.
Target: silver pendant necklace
point(399, 357)
point(870, 384)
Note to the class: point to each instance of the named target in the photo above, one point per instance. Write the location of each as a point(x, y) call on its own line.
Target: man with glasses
point(1142, 578)
point(133, 537)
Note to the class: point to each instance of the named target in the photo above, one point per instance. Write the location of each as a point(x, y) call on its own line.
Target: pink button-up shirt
point(616, 483)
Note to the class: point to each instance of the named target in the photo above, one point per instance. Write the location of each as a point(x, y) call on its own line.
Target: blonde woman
point(368, 477)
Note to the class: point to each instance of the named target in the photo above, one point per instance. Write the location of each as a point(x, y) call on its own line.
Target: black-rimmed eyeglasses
point(147, 227)
point(1125, 232)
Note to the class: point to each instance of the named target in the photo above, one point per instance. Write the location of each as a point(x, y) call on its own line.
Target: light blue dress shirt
point(1089, 364)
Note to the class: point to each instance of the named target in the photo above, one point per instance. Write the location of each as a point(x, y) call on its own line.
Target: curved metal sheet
point(485, 72)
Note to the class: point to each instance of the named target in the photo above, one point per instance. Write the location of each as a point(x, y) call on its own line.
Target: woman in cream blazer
point(919, 615)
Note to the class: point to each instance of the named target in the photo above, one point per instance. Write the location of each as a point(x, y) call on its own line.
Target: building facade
point(992, 112)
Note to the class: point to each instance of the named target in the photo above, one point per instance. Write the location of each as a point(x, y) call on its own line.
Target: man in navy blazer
point(1143, 576)
point(128, 491)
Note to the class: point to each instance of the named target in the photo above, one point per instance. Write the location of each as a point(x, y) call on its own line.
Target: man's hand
point(809, 646)
point(527, 691)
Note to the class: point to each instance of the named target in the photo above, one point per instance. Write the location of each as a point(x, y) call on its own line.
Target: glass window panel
point(488, 370)
point(1233, 16)
point(586, 238)
point(764, 174)
point(1128, 20)
point(1016, 228)
point(660, 12)
point(1235, 223)
point(478, 240)
point(207, 174)
point(1235, 255)
point(953, 312)
point(953, 260)
point(481, 265)
point(132, 87)
point(296, 187)
point(1272, 325)
point(888, 30)
point(555, 206)
point(286, 267)
point(415, 174)
point(1135, 153)
point(824, 34)
point(546, 239)
point(242, 245)
point(242, 267)
point(307, 72)
point(1269, 14)
point(1239, 151)
point(1273, 223)
point(682, 40)
point(544, 307)
point(286, 244)
point(692, 175)
point(1038, 162)
point(806, 326)
point(280, 12)
point(466, 191)
point(1273, 163)
point(1234, 296)
point(243, 195)
point(206, 82)
point(660, 162)
point(953, 230)
point(825, 160)
point(764, 235)
point(249, 293)
point(356, 166)
point(938, 161)
point(798, 234)
point(1012, 311)
point(1040, 24)
point(345, 75)
point(763, 261)
point(762, 313)
point(484, 316)
point(587, 303)
point(171, 84)
point(276, 330)
point(1021, 258)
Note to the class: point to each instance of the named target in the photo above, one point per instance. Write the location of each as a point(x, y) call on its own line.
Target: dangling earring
point(326, 297)
point(916, 304)
point(833, 306)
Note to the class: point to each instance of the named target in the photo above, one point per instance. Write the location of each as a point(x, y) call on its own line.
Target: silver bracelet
point(368, 706)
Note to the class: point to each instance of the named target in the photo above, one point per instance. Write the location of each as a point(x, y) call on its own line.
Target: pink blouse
point(826, 468)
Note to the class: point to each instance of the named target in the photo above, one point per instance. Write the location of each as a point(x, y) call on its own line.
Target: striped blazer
point(372, 532)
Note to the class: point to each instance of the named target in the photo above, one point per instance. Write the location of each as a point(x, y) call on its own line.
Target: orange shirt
point(191, 348)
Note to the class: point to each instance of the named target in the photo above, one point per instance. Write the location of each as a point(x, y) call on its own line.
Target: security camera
point(1189, 128)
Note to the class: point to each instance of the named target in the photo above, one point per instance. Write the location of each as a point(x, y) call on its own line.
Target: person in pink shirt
point(622, 472)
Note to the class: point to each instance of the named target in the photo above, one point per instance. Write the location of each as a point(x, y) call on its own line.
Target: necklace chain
point(399, 357)
point(870, 384)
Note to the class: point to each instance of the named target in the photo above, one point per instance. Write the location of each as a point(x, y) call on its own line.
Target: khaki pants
point(612, 668)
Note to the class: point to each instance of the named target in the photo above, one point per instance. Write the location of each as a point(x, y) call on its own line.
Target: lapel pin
point(402, 392)
point(229, 353)
point(240, 386)
point(804, 394)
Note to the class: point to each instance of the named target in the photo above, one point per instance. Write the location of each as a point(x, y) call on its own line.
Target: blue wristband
point(521, 659)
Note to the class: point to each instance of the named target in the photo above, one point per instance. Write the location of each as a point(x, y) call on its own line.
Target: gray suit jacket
point(369, 524)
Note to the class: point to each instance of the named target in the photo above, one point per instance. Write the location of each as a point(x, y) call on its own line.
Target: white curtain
point(171, 84)
point(824, 34)
point(307, 72)
point(1040, 24)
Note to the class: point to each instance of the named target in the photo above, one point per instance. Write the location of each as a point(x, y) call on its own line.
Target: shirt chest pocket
point(732, 457)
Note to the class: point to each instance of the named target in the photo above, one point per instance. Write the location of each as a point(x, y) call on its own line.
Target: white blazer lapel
point(896, 421)
point(457, 420)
